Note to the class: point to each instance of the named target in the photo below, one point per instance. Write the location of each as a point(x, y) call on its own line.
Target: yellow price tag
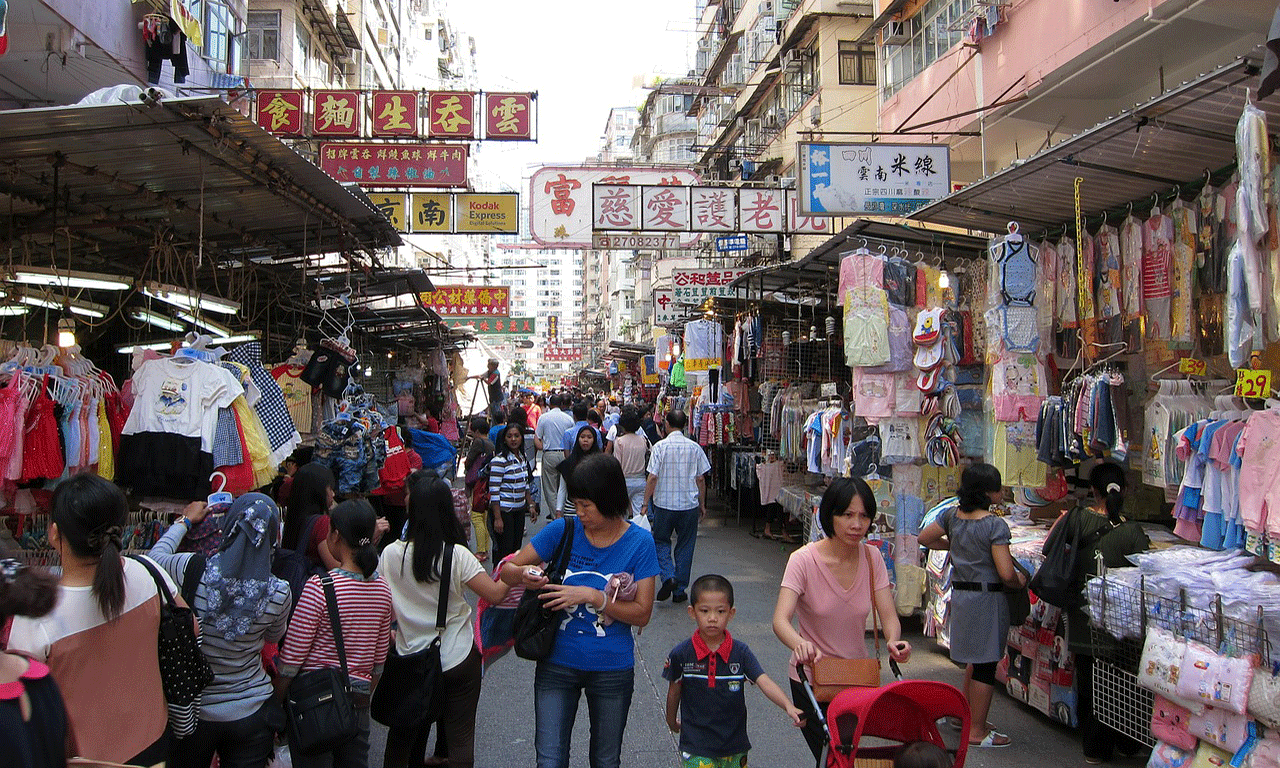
point(1192, 366)
point(1253, 384)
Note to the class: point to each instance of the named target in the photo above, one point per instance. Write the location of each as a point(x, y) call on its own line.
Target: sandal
point(993, 739)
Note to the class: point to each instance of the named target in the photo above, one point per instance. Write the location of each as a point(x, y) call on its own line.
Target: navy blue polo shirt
point(713, 713)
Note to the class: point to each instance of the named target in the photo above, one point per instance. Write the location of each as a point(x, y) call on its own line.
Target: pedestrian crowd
point(300, 592)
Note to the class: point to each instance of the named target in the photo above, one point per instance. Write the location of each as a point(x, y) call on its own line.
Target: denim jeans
point(244, 743)
point(556, 691)
point(684, 523)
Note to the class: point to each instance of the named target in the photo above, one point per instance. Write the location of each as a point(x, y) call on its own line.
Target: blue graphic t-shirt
point(583, 643)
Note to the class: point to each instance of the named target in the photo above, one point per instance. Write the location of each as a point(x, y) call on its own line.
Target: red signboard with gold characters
point(280, 112)
point(451, 115)
point(473, 300)
point(336, 113)
point(508, 116)
point(393, 113)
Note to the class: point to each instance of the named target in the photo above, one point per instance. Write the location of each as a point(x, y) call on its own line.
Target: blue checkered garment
point(227, 451)
point(271, 406)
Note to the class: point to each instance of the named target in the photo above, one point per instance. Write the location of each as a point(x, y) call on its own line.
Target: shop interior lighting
point(216, 329)
point(12, 310)
point(66, 332)
point(944, 280)
point(163, 322)
point(164, 346)
point(68, 279)
point(190, 300)
point(48, 301)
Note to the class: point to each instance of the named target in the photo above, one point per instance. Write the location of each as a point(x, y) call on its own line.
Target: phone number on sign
point(636, 241)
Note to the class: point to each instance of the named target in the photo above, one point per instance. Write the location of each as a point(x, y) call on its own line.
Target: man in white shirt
point(548, 438)
point(676, 497)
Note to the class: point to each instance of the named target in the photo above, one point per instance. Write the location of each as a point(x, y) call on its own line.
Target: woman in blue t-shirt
point(594, 650)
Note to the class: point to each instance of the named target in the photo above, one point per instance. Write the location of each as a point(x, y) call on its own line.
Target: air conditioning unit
point(753, 128)
point(766, 7)
point(735, 164)
point(791, 60)
point(773, 118)
point(895, 33)
point(787, 182)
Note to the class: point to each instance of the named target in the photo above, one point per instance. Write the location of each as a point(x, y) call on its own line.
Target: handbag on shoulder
point(831, 674)
point(535, 626)
point(184, 671)
point(407, 694)
point(322, 712)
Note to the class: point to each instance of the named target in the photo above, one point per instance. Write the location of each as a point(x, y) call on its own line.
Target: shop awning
point(626, 351)
point(1177, 138)
point(822, 263)
point(193, 171)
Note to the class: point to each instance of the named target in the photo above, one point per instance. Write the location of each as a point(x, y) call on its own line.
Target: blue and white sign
point(871, 179)
point(730, 243)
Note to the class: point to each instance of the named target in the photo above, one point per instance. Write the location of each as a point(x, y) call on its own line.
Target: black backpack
point(1057, 579)
point(292, 565)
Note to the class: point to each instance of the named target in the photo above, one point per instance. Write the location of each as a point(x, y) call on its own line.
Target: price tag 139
point(1253, 384)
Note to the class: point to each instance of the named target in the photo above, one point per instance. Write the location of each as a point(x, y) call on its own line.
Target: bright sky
point(583, 57)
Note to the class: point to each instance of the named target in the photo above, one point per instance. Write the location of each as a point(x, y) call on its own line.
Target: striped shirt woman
point(510, 492)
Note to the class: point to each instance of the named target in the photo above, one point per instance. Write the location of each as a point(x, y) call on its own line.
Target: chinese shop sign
point(450, 213)
point(280, 112)
point(552, 354)
point(395, 165)
point(495, 326)
point(858, 179)
point(508, 116)
point(666, 310)
point(468, 300)
point(620, 207)
point(692, 286)
point(337, 113)
point(393, 113)
point(451, 115)
point(553, 327)
point(561, 201)
point(397, 114)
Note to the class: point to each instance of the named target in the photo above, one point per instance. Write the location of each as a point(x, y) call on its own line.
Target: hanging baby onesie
point(1183, 265)
point(1157, 263)
point(1131, 268)
point(1107, 261)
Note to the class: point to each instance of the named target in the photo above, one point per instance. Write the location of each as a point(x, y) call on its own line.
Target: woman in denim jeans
point(594, 651)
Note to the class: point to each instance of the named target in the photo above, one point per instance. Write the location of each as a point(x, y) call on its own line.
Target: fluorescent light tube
point(190, 300)
point(162, 322)
point(68, 279)
point(204, 322)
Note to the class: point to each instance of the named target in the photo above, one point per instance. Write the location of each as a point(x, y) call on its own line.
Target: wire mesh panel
point(1122, 615)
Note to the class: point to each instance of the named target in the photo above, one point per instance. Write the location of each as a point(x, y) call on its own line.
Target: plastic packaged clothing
point(1239, 318)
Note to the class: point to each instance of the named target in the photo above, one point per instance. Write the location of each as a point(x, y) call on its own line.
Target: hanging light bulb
point(786, 338)
point(831, 326)
point(66, 332)
point(944, 280)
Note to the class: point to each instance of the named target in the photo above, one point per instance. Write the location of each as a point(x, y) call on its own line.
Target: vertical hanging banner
point(451, 115)
point(337, 113)
point(280, 112)
point(553, 327)
point(508, 116)
point(393, 113)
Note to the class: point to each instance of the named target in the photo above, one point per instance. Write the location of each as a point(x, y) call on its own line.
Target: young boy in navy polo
point(706, 675)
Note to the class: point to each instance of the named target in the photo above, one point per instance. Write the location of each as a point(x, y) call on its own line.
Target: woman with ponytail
point(1102, 523)
point(364, 616)
point(100, 640)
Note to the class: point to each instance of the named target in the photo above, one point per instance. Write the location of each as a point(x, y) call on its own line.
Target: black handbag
point(1057, 580)
point(184, 671)
point(408, 692)
point(535, 626)
point(322, 712)
point(1019, 599)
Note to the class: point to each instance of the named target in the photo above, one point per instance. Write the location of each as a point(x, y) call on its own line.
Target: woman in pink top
point(825, 592)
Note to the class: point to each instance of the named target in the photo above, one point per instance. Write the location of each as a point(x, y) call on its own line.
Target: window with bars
point(857, 63)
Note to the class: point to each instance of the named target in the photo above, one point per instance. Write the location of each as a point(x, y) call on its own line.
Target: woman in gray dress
point(981, 567)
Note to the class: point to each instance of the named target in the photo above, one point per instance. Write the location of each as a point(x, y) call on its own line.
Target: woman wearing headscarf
point(241, 606)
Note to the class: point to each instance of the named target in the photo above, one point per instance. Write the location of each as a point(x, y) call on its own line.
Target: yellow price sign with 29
point(1253, 384)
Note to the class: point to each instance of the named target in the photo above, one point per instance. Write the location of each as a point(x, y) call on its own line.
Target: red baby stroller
point(902, 711)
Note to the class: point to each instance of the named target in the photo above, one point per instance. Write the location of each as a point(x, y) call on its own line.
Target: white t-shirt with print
point(181, 397)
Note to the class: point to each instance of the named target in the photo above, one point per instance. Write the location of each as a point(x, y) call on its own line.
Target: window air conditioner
point(753, 128)
point(791, 60)
point(895, 33)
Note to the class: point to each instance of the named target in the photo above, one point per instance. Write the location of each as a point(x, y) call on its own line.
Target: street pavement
point(504, 723)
